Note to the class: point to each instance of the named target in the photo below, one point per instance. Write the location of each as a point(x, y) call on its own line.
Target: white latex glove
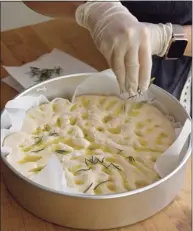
point(126, 43)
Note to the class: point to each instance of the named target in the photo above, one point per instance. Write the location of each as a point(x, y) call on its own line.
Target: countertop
point(28, 43)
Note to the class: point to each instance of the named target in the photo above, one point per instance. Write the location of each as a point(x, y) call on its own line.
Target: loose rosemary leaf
point(107, 167)
point(39, 150)
point(63, 152)
point(82, 169)
point(131, 159)
point(100, 184)
point(38, 140)
point(101, 161)
point(119, 151)
point(115, 166)
point(88, 188)
point(86, 161)
point(53, 134)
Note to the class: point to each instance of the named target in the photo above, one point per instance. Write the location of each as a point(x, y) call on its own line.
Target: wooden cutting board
point(26, 44)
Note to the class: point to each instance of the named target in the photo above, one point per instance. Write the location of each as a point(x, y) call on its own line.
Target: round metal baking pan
point(95, 212)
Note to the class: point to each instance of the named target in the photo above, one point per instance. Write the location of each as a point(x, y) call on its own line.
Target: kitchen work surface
point(27, 44)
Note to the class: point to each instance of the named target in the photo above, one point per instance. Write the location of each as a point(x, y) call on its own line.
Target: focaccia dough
point(105, 145)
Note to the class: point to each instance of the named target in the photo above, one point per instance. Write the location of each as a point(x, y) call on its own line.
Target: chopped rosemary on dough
point(114, 165)
point(94, 160)
point(119, 151)
point(63, 152)
point(53, 134)
point(38, 140)
point(46, 128)
point(39, 150)
point(103, 182)
point(88, 188)
point(83, 169)
point(131, 159)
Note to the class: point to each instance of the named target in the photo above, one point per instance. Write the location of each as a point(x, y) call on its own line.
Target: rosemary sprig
point(39, 150)
point(114, 165)
point(38, 140)
point(63, 152)
point(83, 169)
point(131, 159)
point(105, 166)
point(88, 188)
point(119, 151)
point(34, 71)
point(94, 160)
point(53, 134)
point(44, 74)
point(101, 161)
point(86, 161)
point(100, 184)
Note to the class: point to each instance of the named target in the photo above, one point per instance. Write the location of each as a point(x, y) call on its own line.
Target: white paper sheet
point(69, 64)
point(9, 80)
point(17, 108)
point(102, 83)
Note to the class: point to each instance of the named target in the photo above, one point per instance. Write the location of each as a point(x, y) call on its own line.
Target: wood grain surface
point(26, 44)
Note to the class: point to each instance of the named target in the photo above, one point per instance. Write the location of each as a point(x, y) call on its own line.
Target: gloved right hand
point(126, 43)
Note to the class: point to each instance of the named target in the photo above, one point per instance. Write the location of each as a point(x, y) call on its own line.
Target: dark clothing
point(170, 74)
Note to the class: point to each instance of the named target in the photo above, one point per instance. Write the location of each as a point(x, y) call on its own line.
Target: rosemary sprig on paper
point(97, 160)
point(44, 74)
